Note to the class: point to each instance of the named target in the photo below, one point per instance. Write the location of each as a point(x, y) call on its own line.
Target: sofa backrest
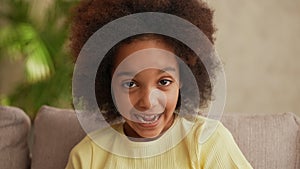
point(56, 132)
point(14, 130)
point(267, 141)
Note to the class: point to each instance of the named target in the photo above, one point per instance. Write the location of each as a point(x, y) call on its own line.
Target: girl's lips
point(150, 125)
point(146, 118)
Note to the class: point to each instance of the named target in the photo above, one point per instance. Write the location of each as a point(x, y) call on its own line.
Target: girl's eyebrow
point(131, 74)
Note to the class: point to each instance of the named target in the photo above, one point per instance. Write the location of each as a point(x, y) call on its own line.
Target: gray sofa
point(268, 141)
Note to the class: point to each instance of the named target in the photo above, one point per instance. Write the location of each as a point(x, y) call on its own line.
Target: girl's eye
point(130, 84)
point(165, 82)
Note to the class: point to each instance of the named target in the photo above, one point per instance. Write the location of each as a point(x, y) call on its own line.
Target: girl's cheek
point(121, 100)
point(173, 97)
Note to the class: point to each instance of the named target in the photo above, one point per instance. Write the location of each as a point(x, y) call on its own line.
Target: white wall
point(259, 42)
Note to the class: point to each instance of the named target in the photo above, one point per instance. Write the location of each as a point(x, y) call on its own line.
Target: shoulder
point(80, 155)
point(89, 149)
point(91, 140)
point(205, 129)
point(218, 147)
point(212, 131)
point(82, 151)
point(208, 129)
point(84, 146)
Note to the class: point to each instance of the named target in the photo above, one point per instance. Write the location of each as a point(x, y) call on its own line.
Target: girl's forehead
point(141, 55)
point(149, 58)
point(157, 60)
point(144, 51)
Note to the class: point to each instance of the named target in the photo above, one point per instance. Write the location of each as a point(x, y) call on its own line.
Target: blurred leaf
point(39, 64)
point(48, 68)
point(4, 100)
point(8, 36)
point(23, 39)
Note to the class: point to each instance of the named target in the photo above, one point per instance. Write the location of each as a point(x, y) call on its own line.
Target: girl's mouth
point(147, 118)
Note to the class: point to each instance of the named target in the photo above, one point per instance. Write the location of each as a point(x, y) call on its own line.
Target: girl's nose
point(151, 98)
point(144, 100)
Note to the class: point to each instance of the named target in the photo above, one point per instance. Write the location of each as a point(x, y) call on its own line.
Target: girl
point(144, 81)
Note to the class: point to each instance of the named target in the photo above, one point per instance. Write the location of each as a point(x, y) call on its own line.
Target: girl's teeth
point(147, 118)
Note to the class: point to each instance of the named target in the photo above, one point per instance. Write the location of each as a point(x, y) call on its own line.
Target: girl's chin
point(147, 130)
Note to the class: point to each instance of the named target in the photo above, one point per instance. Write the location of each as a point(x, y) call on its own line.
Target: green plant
point(38, 37)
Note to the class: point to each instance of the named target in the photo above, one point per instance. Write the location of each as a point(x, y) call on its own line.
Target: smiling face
point(145, 87)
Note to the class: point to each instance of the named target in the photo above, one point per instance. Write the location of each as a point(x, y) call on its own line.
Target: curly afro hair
point(91, 15)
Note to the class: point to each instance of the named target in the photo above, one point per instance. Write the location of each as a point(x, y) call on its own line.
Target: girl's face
point(145, 87)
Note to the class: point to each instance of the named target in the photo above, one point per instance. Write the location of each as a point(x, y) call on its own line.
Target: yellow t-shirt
point(204, 144)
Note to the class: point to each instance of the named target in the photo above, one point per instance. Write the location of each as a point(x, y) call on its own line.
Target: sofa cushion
point(56, 132)
point(14, 131)
point(267, 141)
